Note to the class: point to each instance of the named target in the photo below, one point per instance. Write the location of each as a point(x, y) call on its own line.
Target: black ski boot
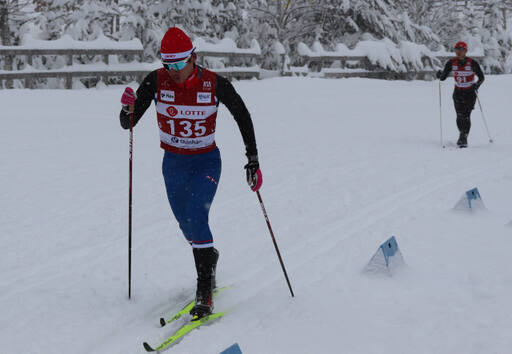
point(215, 259)
point(463, 140)
point(206, 264)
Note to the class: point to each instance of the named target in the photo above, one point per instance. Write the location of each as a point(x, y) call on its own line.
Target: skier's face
point(179, 76)
point(461, 52)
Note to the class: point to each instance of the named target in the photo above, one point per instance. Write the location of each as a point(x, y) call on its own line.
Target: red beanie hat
point(176, 45)
point(461, 45)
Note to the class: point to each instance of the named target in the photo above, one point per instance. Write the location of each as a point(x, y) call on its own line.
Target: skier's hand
point(438, 74)
point(476, 87)
point(253, 173)
point(128, 99)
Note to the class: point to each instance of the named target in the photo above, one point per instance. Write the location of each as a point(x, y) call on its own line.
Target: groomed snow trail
point(346, 164)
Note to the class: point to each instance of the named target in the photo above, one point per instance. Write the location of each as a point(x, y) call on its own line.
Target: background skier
point(464, 95)
point(187, 98)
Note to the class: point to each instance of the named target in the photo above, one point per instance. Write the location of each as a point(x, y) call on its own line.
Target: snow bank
point(369, 167)
point(226, 45)
point(413, 54)
point(384, 53)
point(319, 51)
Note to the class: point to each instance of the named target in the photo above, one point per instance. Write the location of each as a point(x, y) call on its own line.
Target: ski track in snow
point(346, 164)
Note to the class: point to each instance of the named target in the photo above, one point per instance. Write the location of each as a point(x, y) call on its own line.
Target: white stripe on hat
point(176, 56)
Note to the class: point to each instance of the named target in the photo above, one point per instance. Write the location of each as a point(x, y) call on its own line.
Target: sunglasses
point(460, 48)
point(177, 65)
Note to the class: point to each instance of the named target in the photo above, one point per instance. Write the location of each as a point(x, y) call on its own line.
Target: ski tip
point(148, 347)
point(162, 321)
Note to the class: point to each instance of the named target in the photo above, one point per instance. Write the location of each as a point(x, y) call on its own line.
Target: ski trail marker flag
point(234, 349)
point(471, 200)
point(387, 258)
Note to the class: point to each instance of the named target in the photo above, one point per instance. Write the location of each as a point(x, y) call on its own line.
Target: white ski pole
point(441, 116)
point(483, 117)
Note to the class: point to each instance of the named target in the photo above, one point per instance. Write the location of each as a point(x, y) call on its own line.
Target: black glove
point(438, 74)
point(476, 87)
point(253, 173)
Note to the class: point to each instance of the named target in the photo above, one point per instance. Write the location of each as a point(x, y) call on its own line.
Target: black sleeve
point(446, 71)
point(478, 71)
point(145, 94)
point(226, 94)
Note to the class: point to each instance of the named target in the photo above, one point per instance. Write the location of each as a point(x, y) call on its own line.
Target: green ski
point(185, 310)
point(188, 326)
point(185, 329)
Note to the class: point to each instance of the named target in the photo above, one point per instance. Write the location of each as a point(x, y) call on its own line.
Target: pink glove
point(128, 97)
point(259, 181)
point(253, 173)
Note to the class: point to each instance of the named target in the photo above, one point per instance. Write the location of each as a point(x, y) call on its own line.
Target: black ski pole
point(485, 121)
point(441, 116)
point(130, 192)
point(274, 241)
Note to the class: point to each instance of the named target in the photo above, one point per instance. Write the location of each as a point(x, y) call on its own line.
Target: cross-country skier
point(186, 97)
point(464, 95)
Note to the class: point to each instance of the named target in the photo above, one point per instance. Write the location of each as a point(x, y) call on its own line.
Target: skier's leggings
point(464, 101)
point(191, 182)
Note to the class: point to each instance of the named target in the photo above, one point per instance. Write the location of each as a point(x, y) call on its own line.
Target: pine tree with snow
point(283, 23)
point(497, 42)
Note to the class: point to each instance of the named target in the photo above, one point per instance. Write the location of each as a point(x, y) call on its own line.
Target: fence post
point(69, 81)
point(8, 66)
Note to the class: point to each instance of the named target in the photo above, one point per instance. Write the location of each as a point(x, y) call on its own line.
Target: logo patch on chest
point(172, 111)
point(204, 97)
point(167, 95)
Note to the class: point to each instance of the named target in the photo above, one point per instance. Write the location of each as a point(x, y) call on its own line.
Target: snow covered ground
point(346, 164)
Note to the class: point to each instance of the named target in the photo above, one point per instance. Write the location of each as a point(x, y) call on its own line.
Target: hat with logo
point(461, 45)
point(175, 46)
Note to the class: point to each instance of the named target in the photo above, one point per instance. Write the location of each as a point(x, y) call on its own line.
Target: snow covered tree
point(13, 14)
point(384, 18)
point(348, 21)
point(496, 40)
point(13, 17)
point(448, 23)
point(472, 21)
point(53, 17)
point(283, 23)
point(142, 19)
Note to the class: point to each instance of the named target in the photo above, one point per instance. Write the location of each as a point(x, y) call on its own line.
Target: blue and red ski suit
point(191, 166)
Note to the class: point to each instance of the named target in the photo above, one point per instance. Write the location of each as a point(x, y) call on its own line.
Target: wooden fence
point(68, 74)
point(86, 71)
point(233, 71)
point(360, 66)
point(351, 66)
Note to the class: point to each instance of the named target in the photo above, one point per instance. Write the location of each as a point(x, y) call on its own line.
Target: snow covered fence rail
point(69, 48)
point(380, 59)
point(227, 49)
point(70, 71)
point(105, 47)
